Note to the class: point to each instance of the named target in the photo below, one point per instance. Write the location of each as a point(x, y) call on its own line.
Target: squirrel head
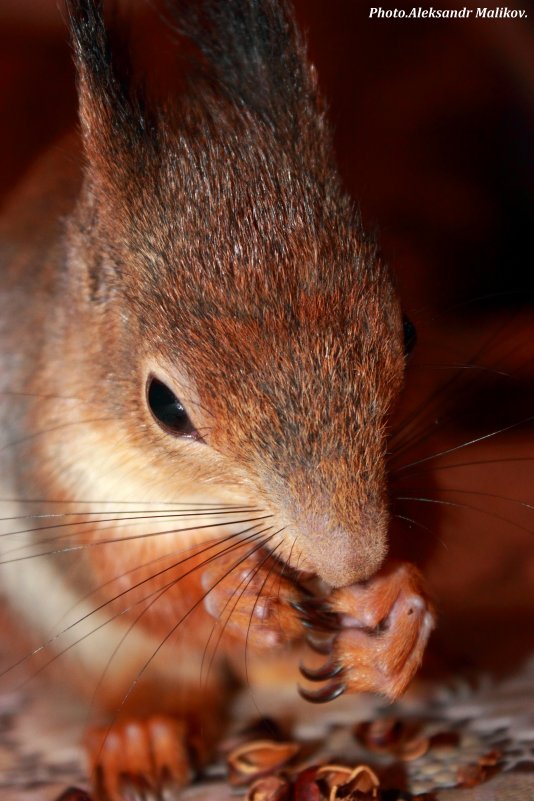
point(245, 331)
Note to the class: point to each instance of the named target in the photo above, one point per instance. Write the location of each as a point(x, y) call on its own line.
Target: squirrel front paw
point(378, 634)
point(253, 600)
point(139, 759)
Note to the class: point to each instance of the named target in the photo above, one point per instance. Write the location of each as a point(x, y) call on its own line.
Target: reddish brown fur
point(214, 247)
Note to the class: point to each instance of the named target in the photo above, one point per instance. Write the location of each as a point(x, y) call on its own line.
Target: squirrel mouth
point(308, 582)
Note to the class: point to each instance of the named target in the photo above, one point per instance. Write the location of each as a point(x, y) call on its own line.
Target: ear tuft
point(110, 115)
point(255, 53)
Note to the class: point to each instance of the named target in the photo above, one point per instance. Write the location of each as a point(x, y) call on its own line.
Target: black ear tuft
point(110, 114)
point(90, 41)
point(255, 52)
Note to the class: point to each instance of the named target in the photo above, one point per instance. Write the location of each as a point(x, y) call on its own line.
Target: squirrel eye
point(410, 335)
point(168, 410)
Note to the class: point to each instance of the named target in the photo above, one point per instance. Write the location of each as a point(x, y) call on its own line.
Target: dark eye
point(410, 335)
point(168, 410)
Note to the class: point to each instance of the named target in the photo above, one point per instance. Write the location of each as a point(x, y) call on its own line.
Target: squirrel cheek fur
point(212, 248)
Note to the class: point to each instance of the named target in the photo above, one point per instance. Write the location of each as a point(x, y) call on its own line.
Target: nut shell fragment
point(379, 735)
point(269, 788)
point(258, 758)
point(490, 759)
point(413, 749)
point(390, 736)
point(306, 787)
point(471, 775)
point(346, 783)
point(334, 774)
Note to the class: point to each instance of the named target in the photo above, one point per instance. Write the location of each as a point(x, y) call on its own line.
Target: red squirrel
point(210, 346)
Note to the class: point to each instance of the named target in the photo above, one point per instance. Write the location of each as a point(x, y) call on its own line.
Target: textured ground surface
point(40, 756)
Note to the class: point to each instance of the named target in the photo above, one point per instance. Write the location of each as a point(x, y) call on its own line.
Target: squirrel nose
point(341, 559)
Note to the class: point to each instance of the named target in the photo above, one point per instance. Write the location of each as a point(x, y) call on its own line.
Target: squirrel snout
point(341, 558)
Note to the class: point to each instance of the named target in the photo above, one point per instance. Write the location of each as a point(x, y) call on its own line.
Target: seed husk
point(391, 736)
point(269, 788)
point(258, 758)
point(258, 729)
point(306, 787)
point(379, 735)
point(343, 782)
point(413, 749)
point(490, 759)
point(334, 774)
point(470, 775)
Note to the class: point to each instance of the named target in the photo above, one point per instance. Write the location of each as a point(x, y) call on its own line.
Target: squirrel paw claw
point(380, 629)
point(325, 694)
point(133, 760)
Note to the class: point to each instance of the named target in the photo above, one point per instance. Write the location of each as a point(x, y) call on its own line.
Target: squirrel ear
point(256, 54)
point(111, 117)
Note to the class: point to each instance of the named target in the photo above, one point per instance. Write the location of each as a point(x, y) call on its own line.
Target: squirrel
point(201, 347)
